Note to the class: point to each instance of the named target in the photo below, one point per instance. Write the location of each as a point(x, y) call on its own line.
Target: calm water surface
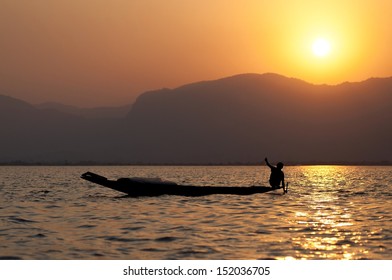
point(330, 212)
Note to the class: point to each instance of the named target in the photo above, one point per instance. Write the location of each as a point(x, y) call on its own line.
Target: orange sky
point(99, 52)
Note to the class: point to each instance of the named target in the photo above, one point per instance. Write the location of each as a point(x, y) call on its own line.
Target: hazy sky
point(105, 52)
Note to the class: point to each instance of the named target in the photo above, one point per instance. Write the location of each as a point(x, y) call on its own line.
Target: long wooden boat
point(140, 187)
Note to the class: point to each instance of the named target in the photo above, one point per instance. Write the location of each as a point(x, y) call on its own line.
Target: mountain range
point(237, 120)
point(89, 113)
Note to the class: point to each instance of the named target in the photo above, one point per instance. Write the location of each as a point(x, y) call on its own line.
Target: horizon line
point(261, 163)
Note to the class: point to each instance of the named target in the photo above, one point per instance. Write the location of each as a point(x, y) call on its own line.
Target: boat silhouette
point(155, 187)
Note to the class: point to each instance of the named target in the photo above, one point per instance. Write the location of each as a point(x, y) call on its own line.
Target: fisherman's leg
point(273, 185)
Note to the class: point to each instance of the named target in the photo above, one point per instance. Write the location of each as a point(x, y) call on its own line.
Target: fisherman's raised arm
point(269, 165)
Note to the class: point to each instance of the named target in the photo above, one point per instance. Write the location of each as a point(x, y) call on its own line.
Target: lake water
point(330, 212)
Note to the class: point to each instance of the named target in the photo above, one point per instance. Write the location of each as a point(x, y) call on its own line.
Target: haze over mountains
point(89, 113)
point(239, 119)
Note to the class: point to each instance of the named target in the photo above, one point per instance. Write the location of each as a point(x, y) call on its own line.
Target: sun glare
point(321, 47)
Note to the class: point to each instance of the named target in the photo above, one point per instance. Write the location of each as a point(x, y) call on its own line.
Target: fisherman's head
point(279, 165)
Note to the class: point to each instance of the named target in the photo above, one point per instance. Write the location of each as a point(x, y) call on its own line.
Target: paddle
point(286, 188)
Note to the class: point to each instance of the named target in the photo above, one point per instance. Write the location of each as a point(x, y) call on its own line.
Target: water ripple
point(330, 212)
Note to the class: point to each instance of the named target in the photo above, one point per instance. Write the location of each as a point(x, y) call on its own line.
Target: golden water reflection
point(329, 213)
point(328, 229)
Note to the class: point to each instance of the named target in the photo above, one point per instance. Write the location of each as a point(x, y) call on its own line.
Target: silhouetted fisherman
point(277, 175)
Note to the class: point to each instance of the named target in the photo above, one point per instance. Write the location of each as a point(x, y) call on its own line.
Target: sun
point(321, 47)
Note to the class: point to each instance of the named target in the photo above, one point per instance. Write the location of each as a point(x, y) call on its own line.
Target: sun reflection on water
point(330, 212)
point(328, 228)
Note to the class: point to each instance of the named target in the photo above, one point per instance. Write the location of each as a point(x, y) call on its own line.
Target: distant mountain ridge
point(238, 119)
point(249, 116)
point(90, 113)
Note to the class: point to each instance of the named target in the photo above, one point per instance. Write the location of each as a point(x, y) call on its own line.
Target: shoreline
point(315, 163)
